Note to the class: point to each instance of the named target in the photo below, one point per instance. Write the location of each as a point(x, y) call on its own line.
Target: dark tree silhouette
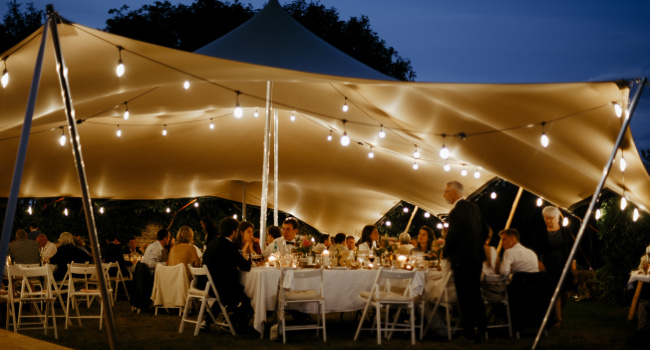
point(17, 25)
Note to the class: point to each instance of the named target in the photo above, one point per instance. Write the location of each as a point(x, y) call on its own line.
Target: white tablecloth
point(341, 290)
point(637, 276)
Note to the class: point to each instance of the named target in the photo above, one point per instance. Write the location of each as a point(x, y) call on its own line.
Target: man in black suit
point(224, 262)
point(468, 231)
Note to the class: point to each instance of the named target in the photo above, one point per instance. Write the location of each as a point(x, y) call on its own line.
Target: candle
point(402, 261)
point(326, 257)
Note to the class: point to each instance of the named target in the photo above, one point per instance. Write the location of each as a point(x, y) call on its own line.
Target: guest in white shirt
point(324, 242)
point(47, 249)
point(645, 260)
point(405, 245)
point(516, 257)
point(350, 243)
point(156, 251)
point(369, 236)
point(289, 231)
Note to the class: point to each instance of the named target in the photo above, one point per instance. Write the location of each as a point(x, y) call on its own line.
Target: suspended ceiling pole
point(19, 165)
point(81, 172)
point(265, 166)
point(592, 205)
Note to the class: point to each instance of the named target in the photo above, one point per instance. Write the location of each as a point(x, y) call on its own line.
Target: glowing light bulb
point(388, 223)
point(329, 137)
point(29, 210)
point(345, 139)
point(463, 172)
point(406, 209)
point(540, 201)
point(623, 203)
point(65, 211)
point(618, 110)
point(211, 124)
point(186, 84)
point(62, 140)
point(256, 114)
point(447, 167)
point(382, 134)
point(623, 164)
point(101, 210)
point(127, 114)
point(565, 221)
point(119, 132)
point(345, 105)
point(238, 112)
point(598, 214)
point(415, 166)
point(5, 78)
point(444, 152)
point(477, 174)
point(293, 117)
point(168, 210)
point(164, 132)
point(119, 70)
point(234, 216)
point(493, 195)
point(544, 140)
point(416, 154)
point(635, 215)
point(371, 154)
point(439, 226)
point(445, 225)
point(196, 204)
point(427, 214)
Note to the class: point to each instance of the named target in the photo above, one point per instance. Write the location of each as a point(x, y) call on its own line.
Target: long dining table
point(341, 289)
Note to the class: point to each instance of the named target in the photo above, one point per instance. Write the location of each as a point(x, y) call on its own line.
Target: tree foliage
point(190, 27)
point(17, 25)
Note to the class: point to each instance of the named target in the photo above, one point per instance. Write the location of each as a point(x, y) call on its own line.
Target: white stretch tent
point(331, 187)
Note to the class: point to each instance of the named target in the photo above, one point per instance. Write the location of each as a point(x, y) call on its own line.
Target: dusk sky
point(486, 41)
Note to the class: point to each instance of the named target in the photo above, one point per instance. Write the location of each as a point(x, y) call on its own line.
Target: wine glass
point(371, 258)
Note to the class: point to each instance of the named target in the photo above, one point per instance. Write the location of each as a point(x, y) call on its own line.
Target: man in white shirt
point(516, 257)
point(324, 242)
point(155, 252)
point(289, 231)
point(47, 249)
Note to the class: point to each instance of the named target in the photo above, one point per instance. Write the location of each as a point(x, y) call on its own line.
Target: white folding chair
point(495, 293)
point(444, 300)
point(84, 276)
point(170, 287)
point(27, 294)
point(293, 291)
point(117, 279)
point(203, 295)
point(391, 288)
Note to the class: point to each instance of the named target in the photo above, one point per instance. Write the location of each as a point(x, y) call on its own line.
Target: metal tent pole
point(19, 165)
point(243, 201)
point(265, 166)
point(592, 205)
point(81, 172)
point(275, 167)
point(511, 216)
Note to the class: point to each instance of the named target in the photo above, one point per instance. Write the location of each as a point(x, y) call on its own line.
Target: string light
point(427, 214)
point(598, 214)
point(371, 154)
point(388, 223)
point(186, 84)
point(65, 211)
point(544, 138)
point(126, 112)
point(119, 70)
point(540, 201)
point(416, 154)
point(256, 114)
point(101, 210)
point(29, 210)
point(464, 171)
point(565, 221)
point(5, 74)
point(623, 163)
point(444, 151)
point(119, 131)
point(211, 124)
point(447, 167)
point(439, 226)
point(329, 137)
point(382, 134)
point(238, 112)
point(415, 165)
point(164, 132)
point(406, 209)
point(618, 110)
point(493, 195)
point(196, 204)
point(293, 116)
point(635, 215)
point(168, 210)
point(445, 224)
point(477, 174)
point(345, 105)
point(623, 203)
point(235, 216)
point(62, 138)
point(345, 139)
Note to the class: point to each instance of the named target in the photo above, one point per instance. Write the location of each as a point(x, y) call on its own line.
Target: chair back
point(24, 274)
point(394, 281)
point(303, 274)
point(204, 274)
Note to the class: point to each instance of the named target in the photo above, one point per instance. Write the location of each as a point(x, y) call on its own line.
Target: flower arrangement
point(305, 246)
point(386, 244)
point(436, 249)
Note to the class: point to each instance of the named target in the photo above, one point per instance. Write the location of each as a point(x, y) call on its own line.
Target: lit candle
point(402, 260)
point(326, 257)
point(271, 261)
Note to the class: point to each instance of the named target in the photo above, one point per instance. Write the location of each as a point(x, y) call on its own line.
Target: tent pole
point(81, 172)
point(512, 215)
point(275, 168)
point(592, 205)
point(243, 201)
point(265, 167)
point(19, 166)
point(415, 210)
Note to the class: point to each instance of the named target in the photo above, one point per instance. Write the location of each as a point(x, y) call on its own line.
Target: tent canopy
point(331, 187)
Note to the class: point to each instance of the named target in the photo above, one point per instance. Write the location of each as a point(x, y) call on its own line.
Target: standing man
point(468, 231)
point(33, 231)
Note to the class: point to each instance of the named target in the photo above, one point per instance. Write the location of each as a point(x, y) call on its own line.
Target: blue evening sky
point(476, 41)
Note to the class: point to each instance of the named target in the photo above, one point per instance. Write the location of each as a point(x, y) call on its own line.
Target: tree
point(190, 27)
point(17, 25)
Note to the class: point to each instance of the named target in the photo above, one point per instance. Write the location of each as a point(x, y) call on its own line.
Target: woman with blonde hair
point(184, 252)
point(66, 253)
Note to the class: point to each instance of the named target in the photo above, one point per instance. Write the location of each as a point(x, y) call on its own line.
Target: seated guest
point(645, 260)
point(224, 263)
point(66, 254)
point(489, 265)
point(425, 241)
point(339, 248)
point(209, 228)
point(112, 252)
point(244, 239)
point(272, 233)
point(324, 242)
point(24, 250)
point(184, 252)
point(369, 238)
point(47, 248)
point(131, 247)
point(405, 245)
point(289, 231)
point(80, 242)
point(155, 252)
point(350, 242)
point(516, 257)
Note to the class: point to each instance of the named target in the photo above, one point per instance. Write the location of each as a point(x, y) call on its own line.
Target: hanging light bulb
point(329, 137)
point(62, 138)
point(445, 224)
point(126, 112)
point(444, 152)
point(635, 215)
point(427, 214)
point(196, 204)
point(29, 210)
point(463, 172)
point(415, 165)
point(256, 114)
point(447, 167)
point(5, 75)
point(164, 132)
point(119, 131)
point(618, 110)
point(439, 226)
point(345, 139)
point(186, 84)
point(540, 201)
point(565, 221)
point(65, 211)
point(119, 70)
point(416, 154)
point(623, 203)
point(211, 124)
point(235, 216)
point(544, 138)
point(345, 105)
point(406, 209)
point(623, 163)
point(388, 223)
point(101, 210)
point(371, 154)
point(493, 195)
point(168, 210)
point(598, 214)
point(382, 134)
point(293, 116)
point(238, 112)
point(477, 174)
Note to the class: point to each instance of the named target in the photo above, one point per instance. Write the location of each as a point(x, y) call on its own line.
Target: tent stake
point(19, 165)
point(592, 205)
point(81, 172)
